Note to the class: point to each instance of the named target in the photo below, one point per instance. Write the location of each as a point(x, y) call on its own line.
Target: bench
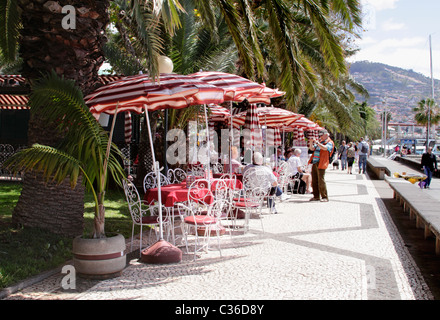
point(378, 168)
point(420, 206)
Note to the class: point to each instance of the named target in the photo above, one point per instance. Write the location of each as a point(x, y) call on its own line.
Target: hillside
point(401, 89)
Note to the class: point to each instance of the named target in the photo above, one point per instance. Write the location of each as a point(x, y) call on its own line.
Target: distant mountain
point(400, 89)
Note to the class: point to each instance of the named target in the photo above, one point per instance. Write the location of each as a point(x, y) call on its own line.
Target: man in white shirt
point(268, 177)
point(296, 169)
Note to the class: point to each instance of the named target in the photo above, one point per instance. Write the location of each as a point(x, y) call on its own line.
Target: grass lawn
point(26, 252)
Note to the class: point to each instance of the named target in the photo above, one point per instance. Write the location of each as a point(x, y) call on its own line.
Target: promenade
point(346, 249)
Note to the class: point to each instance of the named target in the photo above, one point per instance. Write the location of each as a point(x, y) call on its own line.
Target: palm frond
point(54, 164)
point(10, 24)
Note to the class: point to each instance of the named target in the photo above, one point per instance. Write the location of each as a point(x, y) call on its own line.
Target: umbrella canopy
point(218, 113)
point(265, 95)
point(134, 93)
point(269, 116)
point(236, 88)
point(302, 123)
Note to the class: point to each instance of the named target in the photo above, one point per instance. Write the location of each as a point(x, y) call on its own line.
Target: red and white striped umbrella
point(252, 135)
point(139, 93)
point(270, 117)
point(236, 88)
point(133, 93)
point(301, 140)
point(127, 127)
point(303, 123)
point(273, 137)
point(265, 95)
point(218, 113)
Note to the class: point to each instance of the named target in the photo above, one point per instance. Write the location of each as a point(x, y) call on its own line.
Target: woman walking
point(351, 152)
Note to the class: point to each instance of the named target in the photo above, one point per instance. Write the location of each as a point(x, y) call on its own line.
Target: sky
point(396, 32)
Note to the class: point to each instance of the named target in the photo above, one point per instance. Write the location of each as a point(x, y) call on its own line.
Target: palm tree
point(427, 113)
point(85, 149)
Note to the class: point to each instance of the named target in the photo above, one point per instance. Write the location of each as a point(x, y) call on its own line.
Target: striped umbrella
point(273, 137)
point(134, 93)
point(127, 127)
point(265, 95)
point(301, 140)
point(252, 135)
point(303, 123)
point(269, 116)
point(218, 113)
point(140, 93)
point(236, 88)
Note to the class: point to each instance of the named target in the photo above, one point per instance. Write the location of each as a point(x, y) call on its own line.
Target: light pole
point(432, 93)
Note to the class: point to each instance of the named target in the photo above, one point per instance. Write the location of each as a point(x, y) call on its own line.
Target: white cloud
point(390, 25)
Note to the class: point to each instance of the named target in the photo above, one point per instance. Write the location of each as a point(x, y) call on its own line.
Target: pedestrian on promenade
point(363, 154)
point(429, 164)
point(356, 149)
point(322, 149)
point(342, 155)
point(351, 152)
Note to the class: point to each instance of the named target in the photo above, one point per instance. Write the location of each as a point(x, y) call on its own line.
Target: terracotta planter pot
point(99, 258)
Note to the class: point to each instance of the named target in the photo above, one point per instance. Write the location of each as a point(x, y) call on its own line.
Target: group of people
point(321, 150)
point(351, 152)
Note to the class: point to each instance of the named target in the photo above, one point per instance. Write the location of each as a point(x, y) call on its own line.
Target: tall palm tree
point(44, 45)
point(427, 113)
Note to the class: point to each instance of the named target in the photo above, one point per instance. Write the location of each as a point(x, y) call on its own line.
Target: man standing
point(342, 154)
point(429, 164)
point(322, 149)
point(363, 154)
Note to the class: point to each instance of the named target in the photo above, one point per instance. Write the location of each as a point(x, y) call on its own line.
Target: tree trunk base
point(43, 206)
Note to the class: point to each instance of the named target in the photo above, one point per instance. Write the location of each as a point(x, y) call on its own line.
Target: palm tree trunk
point(76, 54)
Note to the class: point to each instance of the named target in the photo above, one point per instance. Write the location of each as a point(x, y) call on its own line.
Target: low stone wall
point(414, 163)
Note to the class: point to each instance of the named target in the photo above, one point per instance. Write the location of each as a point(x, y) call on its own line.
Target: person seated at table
point(295, 166)
point(234, 161)
point(275, 189)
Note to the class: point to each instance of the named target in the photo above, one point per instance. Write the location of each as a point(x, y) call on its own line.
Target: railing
point(6, 151)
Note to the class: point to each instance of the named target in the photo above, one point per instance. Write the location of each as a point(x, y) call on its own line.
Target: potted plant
point(86, 150)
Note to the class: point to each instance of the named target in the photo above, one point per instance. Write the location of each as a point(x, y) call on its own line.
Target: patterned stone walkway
point(346, 249)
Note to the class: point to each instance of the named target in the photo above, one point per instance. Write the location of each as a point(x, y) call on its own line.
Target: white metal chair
point(283, 178)
point(256, 188)
point(150, 181)
point(141, 215)
point(176, 175)
point(200, 213)
point(251, 203)
point(197, 170)
point(202, 224)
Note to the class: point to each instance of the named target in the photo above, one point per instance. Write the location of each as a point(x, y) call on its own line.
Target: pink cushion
point(244, 204)
point(200, 220)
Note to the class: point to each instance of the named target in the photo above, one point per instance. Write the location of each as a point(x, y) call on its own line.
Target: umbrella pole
point(160, 252)
point(231, 141)
point(209, 147)
point(157, 172)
